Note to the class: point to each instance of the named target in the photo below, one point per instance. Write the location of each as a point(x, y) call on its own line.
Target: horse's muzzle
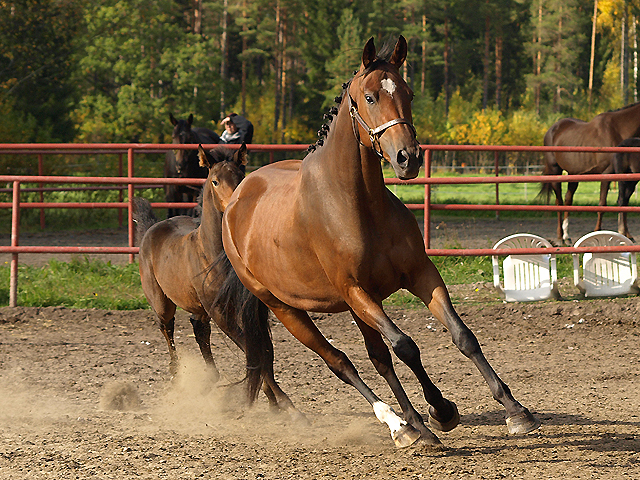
point(407, 163)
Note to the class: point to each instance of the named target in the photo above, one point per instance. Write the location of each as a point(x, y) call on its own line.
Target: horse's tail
point(245, 312)
point(143, 216)
point(545, 192)
point(549, 159)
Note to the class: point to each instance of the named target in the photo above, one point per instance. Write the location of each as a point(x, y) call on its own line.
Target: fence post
point(120, 196)
point(41, 173)
point(130, 200)
point(15, 234)
point(427, 200)
point(495, 154)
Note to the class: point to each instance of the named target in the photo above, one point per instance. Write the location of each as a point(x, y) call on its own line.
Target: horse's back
point(165, 238)
point(205, 135)
point(571, 132)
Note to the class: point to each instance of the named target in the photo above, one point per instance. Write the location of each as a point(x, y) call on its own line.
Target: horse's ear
point(399, 53)
point(174, 122)
point(190, 120)
point(369, 53)
point(240, 156)
point(206, 160)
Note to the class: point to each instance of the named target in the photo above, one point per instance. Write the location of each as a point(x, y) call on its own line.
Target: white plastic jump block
point(527, 278)
point(605, 274)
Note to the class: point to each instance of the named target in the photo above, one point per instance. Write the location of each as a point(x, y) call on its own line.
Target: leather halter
point(374, 133)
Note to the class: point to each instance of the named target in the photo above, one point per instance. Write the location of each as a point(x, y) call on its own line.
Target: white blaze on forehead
point(388, 85)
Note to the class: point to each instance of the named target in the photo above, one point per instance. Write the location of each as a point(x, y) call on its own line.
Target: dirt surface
point(87, 394)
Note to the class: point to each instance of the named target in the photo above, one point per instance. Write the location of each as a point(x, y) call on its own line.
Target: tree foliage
point(489, 71)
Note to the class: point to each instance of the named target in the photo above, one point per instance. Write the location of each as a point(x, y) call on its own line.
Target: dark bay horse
point(605, 130)
point(626, 163)
point(178, 268)
point(185, 163)
point(325, 235)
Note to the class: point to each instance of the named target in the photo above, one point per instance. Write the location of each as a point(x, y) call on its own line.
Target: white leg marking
point(388, 85)
point(386, 415)
point(565, 228)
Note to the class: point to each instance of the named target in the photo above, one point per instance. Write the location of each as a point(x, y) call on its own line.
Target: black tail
point(143, 216)
point(545, 193)
point(546, 188)
point(238, 305)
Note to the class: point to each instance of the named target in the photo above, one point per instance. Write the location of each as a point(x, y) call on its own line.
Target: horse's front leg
point(430, 288)
point(301, 326)
point(443, 413)
point(381, 359)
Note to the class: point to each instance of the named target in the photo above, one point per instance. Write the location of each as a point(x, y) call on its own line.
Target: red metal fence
point(131, 181)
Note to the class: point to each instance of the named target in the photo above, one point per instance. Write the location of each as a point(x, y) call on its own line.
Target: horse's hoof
point(522, 423)
point(428, 438)
point(406, 436)
point(448, 425)
point(299, 418)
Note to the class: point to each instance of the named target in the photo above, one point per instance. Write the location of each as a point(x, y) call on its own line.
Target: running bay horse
point(607, 129)
point(325, 235)
point(178, 268)
point(185, 163)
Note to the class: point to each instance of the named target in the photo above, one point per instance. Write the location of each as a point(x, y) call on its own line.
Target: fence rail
point(131, 182)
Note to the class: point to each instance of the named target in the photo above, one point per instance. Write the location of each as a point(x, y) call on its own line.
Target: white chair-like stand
point(527, 278)
point(605, 274)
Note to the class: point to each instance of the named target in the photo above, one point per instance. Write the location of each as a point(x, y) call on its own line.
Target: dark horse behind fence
point(605, 130)
point(325, 235)
point(179, 267)
point(184, 163)
point(626, 162)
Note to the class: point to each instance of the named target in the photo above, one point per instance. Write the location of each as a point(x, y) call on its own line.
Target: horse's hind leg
point(626, 189)
point(381, 358)
point(276, 396)
point(202, 332)
point(165, 310)
point(432, 291)
point(568, 201)
point(604, 190)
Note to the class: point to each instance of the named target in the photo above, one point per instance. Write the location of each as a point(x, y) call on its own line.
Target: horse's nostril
point(403, 157)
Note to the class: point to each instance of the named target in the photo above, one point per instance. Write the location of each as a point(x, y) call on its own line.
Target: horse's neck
point(350, 165)
point(210, 223)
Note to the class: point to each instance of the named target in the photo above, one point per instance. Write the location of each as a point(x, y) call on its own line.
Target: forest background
point(484, 71)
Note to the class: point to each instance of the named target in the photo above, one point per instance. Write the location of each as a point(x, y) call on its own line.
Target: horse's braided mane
point(384, 55)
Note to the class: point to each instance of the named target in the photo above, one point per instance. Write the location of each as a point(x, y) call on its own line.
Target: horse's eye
point(370, 100)
point(214, 183)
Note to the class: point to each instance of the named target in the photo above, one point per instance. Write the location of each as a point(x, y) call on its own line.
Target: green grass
point(78, 284)
point(588, 193)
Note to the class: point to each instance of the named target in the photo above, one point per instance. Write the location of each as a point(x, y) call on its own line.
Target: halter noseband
point(374, 133)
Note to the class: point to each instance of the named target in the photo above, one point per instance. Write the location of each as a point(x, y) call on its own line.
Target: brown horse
point(606, 130)
point(626, 163)
point(179, 267)
point(325, 235)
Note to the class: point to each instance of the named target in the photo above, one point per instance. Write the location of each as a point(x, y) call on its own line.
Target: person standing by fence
point(237, 129)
